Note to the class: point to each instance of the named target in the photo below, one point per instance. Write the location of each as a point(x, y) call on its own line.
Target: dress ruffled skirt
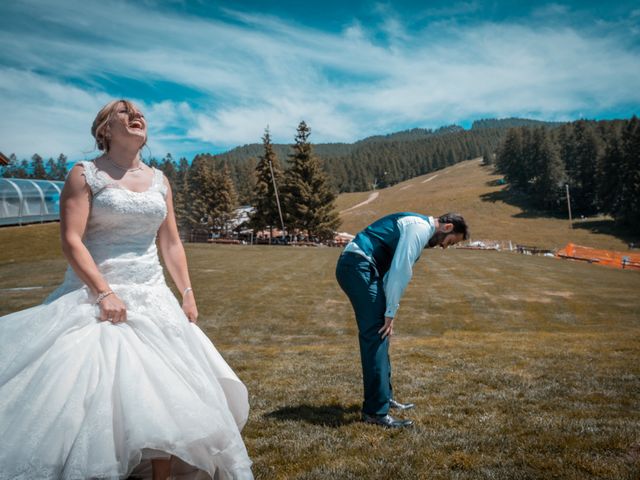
point(81, 398)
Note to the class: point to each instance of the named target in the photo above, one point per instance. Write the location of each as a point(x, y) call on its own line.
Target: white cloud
point(44, 116)
point(240, 125)
point(252, 70)
point(551, 10)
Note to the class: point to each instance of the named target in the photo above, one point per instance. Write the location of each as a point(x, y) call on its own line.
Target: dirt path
point(430, 178)
point(371, 198)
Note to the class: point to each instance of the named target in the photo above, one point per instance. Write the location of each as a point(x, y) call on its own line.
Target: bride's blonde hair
point(101, 129)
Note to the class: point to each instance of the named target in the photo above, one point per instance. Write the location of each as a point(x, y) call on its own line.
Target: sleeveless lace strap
point(158, 181)
point(96, 184)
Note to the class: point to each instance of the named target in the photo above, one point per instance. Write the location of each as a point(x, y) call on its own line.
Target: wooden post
point(569, 206)
point(275, 189)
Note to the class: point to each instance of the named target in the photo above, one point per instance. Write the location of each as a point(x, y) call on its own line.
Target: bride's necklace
point(139, 167)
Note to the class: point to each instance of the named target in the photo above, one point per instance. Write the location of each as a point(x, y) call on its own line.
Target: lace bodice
point(121, 230)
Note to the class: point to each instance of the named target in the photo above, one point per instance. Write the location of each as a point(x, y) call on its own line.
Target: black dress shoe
point(386, 421)
point(400, 406)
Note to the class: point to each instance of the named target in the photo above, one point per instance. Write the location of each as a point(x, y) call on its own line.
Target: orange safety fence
point(601, 257)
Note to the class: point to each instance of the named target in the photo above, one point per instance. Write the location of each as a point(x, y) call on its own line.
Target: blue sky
point(211, 75)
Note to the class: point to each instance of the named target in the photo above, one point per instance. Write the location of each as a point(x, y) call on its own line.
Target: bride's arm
point(75, 204)
point(175, 259)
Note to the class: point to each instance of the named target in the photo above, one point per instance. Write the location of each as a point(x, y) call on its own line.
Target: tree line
point(208, 190)
point(598, 160)
point(206, 196)
point(307, 199)
point(299, 198)
point(383, 160)
point(37, 168)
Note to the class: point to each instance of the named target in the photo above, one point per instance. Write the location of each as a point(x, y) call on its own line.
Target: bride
point(110, 377)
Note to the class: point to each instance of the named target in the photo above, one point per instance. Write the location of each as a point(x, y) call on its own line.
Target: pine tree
point(38, 167)
point(487, 157)
point(168, 167)
point(201, 186)
point(51, 169)
point(245, 180)
point(546, 185)
point(266, 213)
point(22, 171)
point(61, 167)
point(611, 174)
point(210, 201)
point(526, 161)
point(582, 167)
point(309, 200)
point(629, 210)
point(508, 161)
point(181, 193)
point(224, 201)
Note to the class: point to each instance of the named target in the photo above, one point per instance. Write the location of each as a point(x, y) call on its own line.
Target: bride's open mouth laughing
point(136, 125)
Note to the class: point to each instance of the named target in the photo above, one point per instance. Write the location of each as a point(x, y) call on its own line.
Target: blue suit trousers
point(360, 280)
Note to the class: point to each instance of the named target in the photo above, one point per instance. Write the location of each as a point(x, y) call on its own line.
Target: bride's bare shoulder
point(76, 181)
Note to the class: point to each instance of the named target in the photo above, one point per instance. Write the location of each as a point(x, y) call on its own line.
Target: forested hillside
point(597, 162)
point(382, 160)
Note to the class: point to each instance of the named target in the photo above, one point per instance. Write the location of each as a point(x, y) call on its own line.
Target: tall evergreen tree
point(509, 159)
point(210, 199)
point(61, 167)
point(51, 169)
point(38, 167)
point(245, 180)
point(309, 200)
point(181, 193)
point(487, 157)
point(548, 181)
point(23, 170)
point(581, 165)
point(611, 174)
point(200, 196)
point(225, 201)
point(629, 210)
point(168, 167)
point(266, 213)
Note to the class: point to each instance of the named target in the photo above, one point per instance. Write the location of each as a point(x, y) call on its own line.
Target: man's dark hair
point(459, 225)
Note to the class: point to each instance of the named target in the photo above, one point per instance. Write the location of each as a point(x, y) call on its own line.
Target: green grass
point(521, 367)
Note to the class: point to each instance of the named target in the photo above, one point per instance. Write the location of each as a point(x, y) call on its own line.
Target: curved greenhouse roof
point(25, 200)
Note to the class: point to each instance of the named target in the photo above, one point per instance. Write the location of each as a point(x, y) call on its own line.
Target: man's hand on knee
point(387, 328)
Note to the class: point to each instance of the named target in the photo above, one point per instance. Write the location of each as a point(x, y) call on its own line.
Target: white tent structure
point(25, 200)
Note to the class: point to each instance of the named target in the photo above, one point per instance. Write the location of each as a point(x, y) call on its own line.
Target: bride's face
point(128, 125)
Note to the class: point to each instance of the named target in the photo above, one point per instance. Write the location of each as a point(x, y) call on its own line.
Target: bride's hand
point(112, 309)
point(189, 307)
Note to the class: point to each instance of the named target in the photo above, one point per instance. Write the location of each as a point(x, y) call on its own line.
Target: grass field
point(520, 367)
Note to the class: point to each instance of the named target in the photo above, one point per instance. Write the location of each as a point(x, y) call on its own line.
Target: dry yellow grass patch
point(472, 189)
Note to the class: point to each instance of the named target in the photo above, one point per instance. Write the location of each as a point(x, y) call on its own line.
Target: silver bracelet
point(187, 290)
point(102, 296)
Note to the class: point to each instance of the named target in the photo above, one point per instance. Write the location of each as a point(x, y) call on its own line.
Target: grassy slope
point(521, 367)
point(471, 189)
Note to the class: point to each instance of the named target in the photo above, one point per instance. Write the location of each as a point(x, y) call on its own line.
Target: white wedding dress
point(82, 398)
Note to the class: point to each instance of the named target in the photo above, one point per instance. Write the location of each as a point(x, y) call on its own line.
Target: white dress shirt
point(415, 233)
